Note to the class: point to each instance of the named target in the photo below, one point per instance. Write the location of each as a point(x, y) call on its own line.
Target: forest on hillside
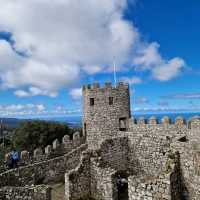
point(30, 135)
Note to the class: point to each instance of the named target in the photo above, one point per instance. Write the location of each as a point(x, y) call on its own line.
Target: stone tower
point(105, 111)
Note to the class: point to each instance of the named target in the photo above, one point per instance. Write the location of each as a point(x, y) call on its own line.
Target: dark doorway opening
point(122, 185)
point(85, 130)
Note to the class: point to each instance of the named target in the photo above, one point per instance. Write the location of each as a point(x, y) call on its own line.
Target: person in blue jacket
point(14, 158)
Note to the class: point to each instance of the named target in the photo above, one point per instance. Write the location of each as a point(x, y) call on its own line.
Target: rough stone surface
point(160, 160)
point(111, 110)
point(41, 192)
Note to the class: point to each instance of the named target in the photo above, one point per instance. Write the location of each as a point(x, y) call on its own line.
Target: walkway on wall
point(58, 191)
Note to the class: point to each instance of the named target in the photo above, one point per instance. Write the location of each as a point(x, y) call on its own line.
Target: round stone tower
point(106, 111)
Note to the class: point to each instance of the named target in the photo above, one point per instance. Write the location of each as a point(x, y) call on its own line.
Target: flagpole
point(115, 78)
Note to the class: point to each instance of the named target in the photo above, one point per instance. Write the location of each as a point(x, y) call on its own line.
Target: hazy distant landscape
point(75, 121)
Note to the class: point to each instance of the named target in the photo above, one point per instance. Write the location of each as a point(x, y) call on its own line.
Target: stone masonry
point(157, 160)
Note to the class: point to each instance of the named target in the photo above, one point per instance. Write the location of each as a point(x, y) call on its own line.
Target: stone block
point(48, 149)
point(180, 121)
point(56, 144)
point(37, 153)
point(76, 136)
point(166, 120)
point(66, 139)
point(153, 120)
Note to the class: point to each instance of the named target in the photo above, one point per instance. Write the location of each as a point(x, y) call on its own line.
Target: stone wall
point(147, 153)
point(165, 186)
point(52, 170)
point(95, 175)
point(51, 151)
point(114, 153)
point(103, 184)
point(105, 110)
point(41, 192)
point(77, 181)
point(163, 128)
point(190, 168)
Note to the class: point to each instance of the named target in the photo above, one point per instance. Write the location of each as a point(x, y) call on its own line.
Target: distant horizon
point(80, 115)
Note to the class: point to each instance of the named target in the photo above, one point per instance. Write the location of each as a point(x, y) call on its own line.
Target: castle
point(159, 160)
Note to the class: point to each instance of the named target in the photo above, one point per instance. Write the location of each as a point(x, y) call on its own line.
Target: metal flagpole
point(115, 78)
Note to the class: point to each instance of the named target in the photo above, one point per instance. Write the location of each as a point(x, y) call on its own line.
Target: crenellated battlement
point(192, 123)
point(57, 148)
point(107, 86)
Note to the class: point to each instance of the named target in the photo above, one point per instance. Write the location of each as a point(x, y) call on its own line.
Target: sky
point(48, 50)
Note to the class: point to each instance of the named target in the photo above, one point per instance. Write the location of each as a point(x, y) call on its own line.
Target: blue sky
point(46, 57)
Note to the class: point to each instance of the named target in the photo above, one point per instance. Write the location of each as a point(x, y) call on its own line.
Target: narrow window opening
point(122, 124)
point(91, 101)
point(85, 130)
point(110, 100)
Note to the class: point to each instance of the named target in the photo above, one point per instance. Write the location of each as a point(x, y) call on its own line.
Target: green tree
point(34, 134)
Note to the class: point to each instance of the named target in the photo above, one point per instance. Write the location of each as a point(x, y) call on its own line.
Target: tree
point(33, 134)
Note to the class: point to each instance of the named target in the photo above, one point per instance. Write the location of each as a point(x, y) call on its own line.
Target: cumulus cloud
point(76, 93)
point(93, 69)
point(35, 111)
point(21, 109)
point(132, 80)
point(169, 69)
point(59, 40)
point(34, 91)
point(149, 58)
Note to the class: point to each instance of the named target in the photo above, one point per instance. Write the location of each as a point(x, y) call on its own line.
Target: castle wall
point(102, 120)
point(147, 153)
point(155, 139)
point(163, 128)
point(52, 170)
point(114, 153)
point(103, 184)
point(94, 176)
point(110, 158)
point(77, 181)
point(190, 169)
point(56, 149)
point(25, 193)
point(163, 186)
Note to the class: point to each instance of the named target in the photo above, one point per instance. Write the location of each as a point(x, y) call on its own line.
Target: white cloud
point(76, 93)
point(93, 69)
point(168, 70)
point(21, 110)
point(34, 91)
point(35, 111)
point(58, 38)
point(149, 58)
point(132, 80)
point(64, 38)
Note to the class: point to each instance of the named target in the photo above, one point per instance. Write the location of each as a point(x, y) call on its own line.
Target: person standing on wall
point(14, 158)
